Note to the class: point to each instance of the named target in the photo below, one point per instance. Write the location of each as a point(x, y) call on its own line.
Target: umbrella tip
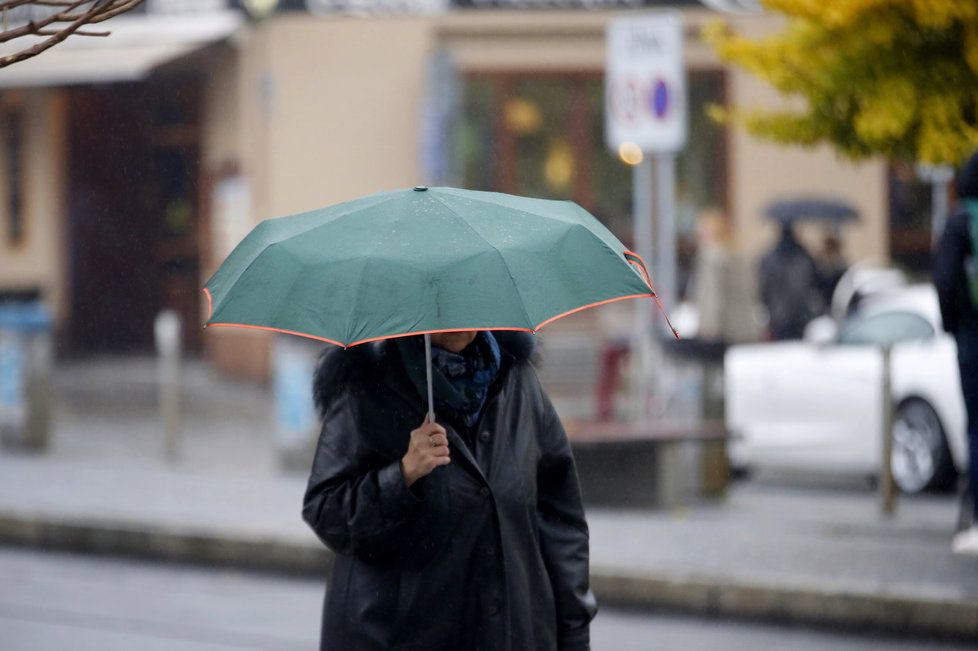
point(421, 188)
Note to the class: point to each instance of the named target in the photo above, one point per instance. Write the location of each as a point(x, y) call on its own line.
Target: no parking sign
point(645, 83)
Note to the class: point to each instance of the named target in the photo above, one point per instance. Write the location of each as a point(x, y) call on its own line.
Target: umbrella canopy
point(421, 261)
point(834, 211)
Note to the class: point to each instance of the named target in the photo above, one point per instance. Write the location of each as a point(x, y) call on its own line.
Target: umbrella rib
point(217, 301)
point(512, 280)
point(338, 217)
point(571, 221)
point(525, 212)
point(355, 310)
point(267, 222)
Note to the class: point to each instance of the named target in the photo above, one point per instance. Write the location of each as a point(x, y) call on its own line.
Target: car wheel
point(921, 459)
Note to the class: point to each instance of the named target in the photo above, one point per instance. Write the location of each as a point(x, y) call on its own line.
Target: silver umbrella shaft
point(427, 363)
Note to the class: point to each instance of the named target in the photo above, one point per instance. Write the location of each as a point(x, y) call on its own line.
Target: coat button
point(484, 491)
point(489, 550)
point(484, 436)
point(493, 609)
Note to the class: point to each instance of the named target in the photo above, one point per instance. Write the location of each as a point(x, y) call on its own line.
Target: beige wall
point(346, 108)
point(39, 260)
point(233, 142)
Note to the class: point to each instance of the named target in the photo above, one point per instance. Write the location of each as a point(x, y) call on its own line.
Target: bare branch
point(51, 32)
point(122, 8)
point(98, 11)
point(77, 13)
point(32, 27)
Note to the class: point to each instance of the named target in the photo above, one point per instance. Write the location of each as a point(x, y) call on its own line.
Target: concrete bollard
point(168, 346)
point(887, 486)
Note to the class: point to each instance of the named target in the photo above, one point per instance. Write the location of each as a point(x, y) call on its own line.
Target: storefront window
point(542, 135)
point(13, 133)
point(910, 219)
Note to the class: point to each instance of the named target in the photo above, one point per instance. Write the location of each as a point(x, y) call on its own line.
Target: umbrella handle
point(427, 360)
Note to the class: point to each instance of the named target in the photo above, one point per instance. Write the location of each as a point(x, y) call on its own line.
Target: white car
point(816, 404)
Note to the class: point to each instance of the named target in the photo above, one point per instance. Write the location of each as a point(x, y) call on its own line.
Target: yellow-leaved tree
point(892, 77)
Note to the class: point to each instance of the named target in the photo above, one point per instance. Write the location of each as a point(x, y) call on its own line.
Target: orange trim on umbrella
point(641, 267)
point(271, 329)
point(210, 303)
point(584, 307)
point(432, 332)
point(423, 332)
point(655, 294)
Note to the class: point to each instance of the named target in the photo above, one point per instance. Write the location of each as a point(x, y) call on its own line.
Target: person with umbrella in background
point(443, 479)
point(792, 285)
point(789, 287)
point(956, 280)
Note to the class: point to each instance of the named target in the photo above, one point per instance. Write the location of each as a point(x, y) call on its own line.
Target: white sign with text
point(645, 83)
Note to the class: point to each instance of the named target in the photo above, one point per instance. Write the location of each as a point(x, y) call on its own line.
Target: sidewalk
point(822, 557)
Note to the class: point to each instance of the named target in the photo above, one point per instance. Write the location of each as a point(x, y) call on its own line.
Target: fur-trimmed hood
point(338, 365)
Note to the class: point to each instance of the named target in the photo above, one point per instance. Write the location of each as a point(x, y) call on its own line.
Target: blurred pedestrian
point(956, 279)
point(615, 324)
point(789, 287)
point(831, 265)
point(722, 289)
point(467, 533)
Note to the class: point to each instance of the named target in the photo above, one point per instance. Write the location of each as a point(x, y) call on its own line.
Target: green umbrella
point(421, 261)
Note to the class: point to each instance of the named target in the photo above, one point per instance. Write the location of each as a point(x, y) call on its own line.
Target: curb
point(147, 542)
point(700, 595)
point(808, 605)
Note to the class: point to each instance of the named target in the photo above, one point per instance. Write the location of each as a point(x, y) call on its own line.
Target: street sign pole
point(665, 258)
point(887, 487)
point(641, 344)
point(645, 124)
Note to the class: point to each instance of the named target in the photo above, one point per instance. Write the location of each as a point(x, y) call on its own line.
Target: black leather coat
point(489, 552)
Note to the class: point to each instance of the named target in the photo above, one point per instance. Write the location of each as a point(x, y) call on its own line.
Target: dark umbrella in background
point(834, 212)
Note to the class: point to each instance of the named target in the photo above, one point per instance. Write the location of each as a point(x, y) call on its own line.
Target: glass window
point(885, 329)
point(542, 135)
point(910, 218)
point(12, 164)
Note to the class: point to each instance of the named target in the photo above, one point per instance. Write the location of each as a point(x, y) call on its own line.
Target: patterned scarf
point(460, 380)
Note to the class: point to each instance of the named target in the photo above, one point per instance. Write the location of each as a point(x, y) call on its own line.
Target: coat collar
point(374, 362)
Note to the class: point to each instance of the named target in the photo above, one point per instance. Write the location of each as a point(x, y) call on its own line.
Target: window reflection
point(542, 135)
point(885, 329)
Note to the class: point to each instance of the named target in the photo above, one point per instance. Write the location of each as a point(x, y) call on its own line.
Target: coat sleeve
point(952, 249)
point(563, 533)
point(355, 502)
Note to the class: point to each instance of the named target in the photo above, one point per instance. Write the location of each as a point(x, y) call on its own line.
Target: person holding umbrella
point(473, 537)
point(443, 479)
point(793, 287)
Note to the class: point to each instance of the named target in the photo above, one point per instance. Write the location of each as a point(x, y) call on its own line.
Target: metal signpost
point(645, 124)
point(888, 491)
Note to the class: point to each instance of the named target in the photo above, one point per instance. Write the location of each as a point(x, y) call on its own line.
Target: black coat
point(489, 552)
point(789, 285)
point(957, 311)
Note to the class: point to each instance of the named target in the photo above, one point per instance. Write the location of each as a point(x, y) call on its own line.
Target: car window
point(885, 329)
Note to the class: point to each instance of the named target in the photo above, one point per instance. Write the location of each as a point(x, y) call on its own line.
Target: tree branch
point(33, 27)
point(75, 13)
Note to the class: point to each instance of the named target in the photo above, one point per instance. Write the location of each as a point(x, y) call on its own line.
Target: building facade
point(121, 190)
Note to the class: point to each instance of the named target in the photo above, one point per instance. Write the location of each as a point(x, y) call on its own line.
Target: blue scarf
point(460, 380)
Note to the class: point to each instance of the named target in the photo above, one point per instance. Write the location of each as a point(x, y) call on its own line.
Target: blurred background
point(151, 472)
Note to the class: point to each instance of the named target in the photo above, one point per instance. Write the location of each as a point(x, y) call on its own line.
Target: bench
point(651, 464)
